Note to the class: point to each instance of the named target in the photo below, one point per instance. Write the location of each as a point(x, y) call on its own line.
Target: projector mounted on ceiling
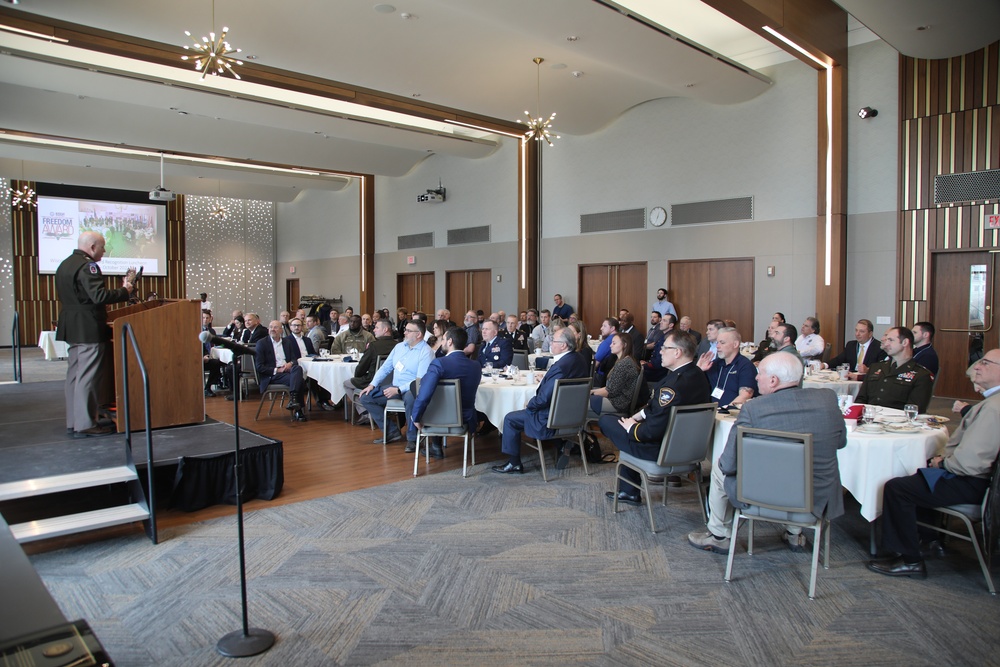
point(435, 196)
point(161, 193)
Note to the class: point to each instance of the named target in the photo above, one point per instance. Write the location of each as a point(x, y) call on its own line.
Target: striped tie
point(861, 356)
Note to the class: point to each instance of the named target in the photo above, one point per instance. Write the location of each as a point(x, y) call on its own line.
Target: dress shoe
point(363, 420)
point(931, 549)
point(626, 498)
point(300, 416)
point(486, 429)
point(706, 541)
point(509, 469)
point(411, 447)
point(386, 441)
point(796, 543)
point(209, 393)
point(563, 459)
point(437, 451)
point(94, 432)
point(293, 405)
point(325, 406)
point(897, 567)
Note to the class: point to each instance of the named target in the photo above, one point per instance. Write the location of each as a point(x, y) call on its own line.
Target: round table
point(222, 354)
point(831, 380)
point(330, 373)
point(53, 349)
point(496, 399)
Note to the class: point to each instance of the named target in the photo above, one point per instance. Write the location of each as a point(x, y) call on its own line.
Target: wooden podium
point(167, 334)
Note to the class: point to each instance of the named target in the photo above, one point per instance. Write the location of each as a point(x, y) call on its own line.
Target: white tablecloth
point(533, 356)
point(330, 375)
point(831, 380)
point(222, 354)
point(496, 400)
point(868, 461)
point(54, 349)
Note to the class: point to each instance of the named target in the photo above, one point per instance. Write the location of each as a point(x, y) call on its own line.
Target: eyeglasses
point(670, 347)
point(412, 330)
point(984, 361)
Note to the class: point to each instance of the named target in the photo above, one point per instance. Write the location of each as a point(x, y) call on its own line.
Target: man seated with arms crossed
point(365, 370)
point(495, 349)
point(641, 434)
point(861, 352)
point(730, 373)
point(517, 337)
point(899, 380)
point(276, 362)
point(354, 337)
point(923, 348)
point(407, 362)
point(782, 406)
point(541, 335)
point(453, 365)
point(567, 363)
point(958, 476)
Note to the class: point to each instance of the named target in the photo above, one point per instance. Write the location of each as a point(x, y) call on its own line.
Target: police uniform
point(894, 387)
point(686, 385)
point(83, 323)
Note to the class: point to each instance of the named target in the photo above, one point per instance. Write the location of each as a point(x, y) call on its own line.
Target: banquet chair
point(684, 446)
point(633, 405)
point(969, 514)
point(274, 391)
point(351, 397)
point(394, 405)
point(442, 418)
point(520, 360)
point(774, 475)
point(567, 417)
point(248, 372)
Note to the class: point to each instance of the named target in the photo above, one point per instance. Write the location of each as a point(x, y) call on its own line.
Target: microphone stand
point(248, 641)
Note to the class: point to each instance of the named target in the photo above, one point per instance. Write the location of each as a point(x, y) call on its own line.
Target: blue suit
point(266, 364)
point(533, 418)
point(499, 352)
point(449, 367)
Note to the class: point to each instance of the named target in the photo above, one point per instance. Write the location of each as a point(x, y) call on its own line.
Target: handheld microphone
point(237, 348)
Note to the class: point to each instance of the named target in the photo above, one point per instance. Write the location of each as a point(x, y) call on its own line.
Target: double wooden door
point(708, 289)
point(415, 291)
point(469, 290)
point(963, 289)
point(605, 289)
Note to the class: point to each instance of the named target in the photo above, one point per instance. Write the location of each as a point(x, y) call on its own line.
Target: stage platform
point(193, 464)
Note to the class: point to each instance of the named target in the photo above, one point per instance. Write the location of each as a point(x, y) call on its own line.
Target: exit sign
point(991, 220)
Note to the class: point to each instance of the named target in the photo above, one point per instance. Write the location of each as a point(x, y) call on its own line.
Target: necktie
point(861, 356)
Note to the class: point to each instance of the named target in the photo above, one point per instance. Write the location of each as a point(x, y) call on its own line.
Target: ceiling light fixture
point(220, 213)
point(539, 128)
point(213, 55)
point(24, 197)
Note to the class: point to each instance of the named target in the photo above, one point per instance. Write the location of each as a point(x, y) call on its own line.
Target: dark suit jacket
point(365, 370)
point(449, 367)
point(571, 365)
point(265, 361)
point(251, 336)
point(800, 411)
point(873, 355)
point(500, 352)
point(310, 348)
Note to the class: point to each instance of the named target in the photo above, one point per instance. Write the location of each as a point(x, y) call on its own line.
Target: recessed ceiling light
point(558, 66)
point(251, 57)
point(572, 38)
point(577, 73)
point(407, 16)
point(923, 27)
point(384, 9)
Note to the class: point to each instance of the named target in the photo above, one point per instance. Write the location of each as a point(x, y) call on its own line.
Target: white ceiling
point(473, 55)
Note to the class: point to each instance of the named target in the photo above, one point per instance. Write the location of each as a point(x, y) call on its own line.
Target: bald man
point(83, 323)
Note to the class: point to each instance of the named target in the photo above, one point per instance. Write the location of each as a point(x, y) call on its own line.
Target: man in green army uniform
point(898, 380)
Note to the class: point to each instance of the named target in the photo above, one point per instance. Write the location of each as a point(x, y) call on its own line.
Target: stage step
point(76, 523)
point(56, 483)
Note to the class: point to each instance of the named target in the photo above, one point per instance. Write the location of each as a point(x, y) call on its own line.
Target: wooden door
point(469, 290)
point(292, 294)
point(707, 289)
point(415, 291)
point(963, 288)
point(605, 289)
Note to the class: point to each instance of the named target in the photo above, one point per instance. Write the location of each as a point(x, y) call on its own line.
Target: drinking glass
point(911, 411)
point(488, 368)
point(868, 415)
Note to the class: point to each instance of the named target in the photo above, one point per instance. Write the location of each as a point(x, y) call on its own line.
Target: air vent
point(972, 186)
point(613, 221)
point(469, 235)
point(719, 210)
point(415, 241)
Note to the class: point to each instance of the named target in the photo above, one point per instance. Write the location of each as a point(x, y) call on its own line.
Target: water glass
point(911, 411)
point(868, 415)
point(488, 368)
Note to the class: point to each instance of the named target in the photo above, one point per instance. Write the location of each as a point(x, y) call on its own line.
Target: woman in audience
point(239, 324)
point(616, 395)
point(436, 341)
point(582, 344)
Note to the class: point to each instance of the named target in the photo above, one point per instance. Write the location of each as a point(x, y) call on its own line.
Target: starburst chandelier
point(220, 212)
point(213, 55)
point(24, 197)
point(539, 128)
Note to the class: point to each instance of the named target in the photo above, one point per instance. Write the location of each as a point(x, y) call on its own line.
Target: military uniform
point(893, 387)
point(83, 323)
point(685, 386)
point(349, 339)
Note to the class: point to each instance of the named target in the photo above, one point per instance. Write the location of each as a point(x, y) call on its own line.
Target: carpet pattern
point(509, 570)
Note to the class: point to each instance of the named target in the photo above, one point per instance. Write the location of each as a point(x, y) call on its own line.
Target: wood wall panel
point(35, 297)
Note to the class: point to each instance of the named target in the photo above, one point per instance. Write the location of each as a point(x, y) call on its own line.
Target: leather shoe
point(230, 397)
point(623, 497)
point(293, 405)
point(509, 469)
point(300, 416)
point(563, 459)
point(897, 567)
point(437, 451)
point(931, 549)
point(325, 406)
point(94, 432)
point(386, 441)
point(411, 447)
point(486, 429)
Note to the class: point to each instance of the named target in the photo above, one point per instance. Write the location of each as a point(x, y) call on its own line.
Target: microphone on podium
point(237, 348)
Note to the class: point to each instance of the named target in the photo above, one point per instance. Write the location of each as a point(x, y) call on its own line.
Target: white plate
point(932, 419)
point(902, 428)
point(891, 420)
point(871, 428)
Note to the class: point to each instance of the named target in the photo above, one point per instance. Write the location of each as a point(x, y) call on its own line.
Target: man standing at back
point(661, 305)
point(782, 406)
point(567, 363)
point(562, 309)
point(83, 323)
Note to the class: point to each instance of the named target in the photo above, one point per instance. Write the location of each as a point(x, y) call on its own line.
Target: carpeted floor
point(498, 570)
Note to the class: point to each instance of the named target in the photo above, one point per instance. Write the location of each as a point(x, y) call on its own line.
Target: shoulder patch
point(93, 268)
point(666, 396)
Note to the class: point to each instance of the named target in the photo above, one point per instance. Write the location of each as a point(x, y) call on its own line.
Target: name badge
point(399, 366)
point(717, 393)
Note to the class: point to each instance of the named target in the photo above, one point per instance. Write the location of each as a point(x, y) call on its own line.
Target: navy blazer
point(873, 355)
point(572, 365)
point(310, 348)
point(450, 367)
point(500, 353)
point(265, 361)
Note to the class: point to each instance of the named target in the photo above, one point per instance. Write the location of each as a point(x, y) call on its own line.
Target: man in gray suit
point(782, 406)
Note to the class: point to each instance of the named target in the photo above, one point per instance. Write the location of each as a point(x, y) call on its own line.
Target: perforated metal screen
point(970, 186)
point(469, 235)
point(411, 241)
point(719, 210)
point(613, 221)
